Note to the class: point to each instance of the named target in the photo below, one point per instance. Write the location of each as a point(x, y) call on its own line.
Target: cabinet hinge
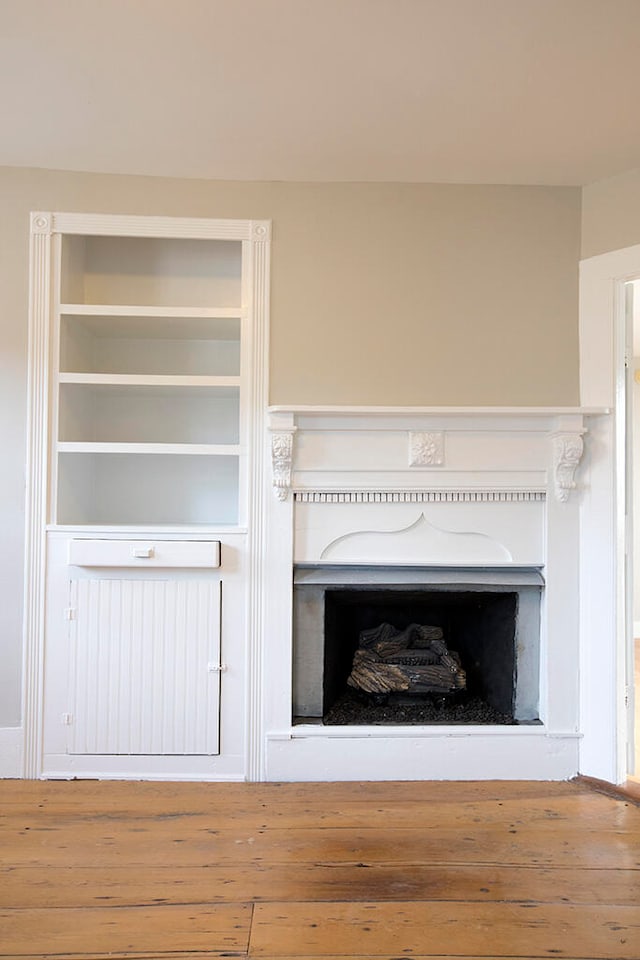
point(67, 719)
point(70, 613)
point(216, 667)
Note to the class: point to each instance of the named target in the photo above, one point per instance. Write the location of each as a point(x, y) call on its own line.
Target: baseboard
point(11, 739)
point(630, 790)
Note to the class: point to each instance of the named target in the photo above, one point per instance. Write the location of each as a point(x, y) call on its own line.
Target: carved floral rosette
point(426, 449)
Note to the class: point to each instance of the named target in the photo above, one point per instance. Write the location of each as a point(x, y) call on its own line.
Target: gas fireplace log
point(408, 657)
point(438, 676)
point(374, 676)
point(414, 660)
point(398, 653)
point(415, 635)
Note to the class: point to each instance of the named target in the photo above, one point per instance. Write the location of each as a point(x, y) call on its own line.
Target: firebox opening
point(479, 627)
point(490, 619)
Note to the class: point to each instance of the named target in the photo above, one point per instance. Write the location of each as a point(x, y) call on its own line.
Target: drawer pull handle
point(142, 553)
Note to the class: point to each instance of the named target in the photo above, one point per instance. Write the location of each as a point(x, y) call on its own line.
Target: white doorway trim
point(604, 533)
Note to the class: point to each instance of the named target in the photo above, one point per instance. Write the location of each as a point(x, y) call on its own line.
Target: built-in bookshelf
point(145, 494)
point(148, 396)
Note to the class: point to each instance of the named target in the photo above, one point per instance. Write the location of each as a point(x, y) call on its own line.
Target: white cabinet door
point(144, 667)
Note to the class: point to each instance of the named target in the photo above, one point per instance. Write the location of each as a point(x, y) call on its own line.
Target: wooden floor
point(395, 870)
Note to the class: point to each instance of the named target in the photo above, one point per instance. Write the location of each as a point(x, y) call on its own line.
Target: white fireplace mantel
point(431, 487)
point(427, 434)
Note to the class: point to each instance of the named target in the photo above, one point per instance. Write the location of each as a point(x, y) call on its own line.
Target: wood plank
point(33, 886)
point(206, 955)
point(447, 929)
point(105, 795)
point(136, 955)
point(594, 809)
point(114, 931)
point(162, 843)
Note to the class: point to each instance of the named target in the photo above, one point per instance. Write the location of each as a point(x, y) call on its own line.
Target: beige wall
point(381, 294)
point(611, 214)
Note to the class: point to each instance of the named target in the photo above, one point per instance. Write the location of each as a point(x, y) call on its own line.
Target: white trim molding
point(260, 230)
point(37, 469)
point(416, 753)
point(605, 633)
point(419, 496)
point(11, 762)
point(115, 225)
point(259, 294)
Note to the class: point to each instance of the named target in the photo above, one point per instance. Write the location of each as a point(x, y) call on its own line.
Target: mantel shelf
point(397, 411)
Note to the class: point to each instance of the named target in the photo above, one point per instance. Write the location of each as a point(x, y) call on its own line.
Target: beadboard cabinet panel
point(145, 675)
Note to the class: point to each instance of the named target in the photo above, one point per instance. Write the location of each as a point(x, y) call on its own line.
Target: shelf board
point(197, 530)
point(122, 310)
point(181, 449)
point(147, 380)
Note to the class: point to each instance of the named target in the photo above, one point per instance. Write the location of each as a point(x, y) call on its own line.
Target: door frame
point(604, 679)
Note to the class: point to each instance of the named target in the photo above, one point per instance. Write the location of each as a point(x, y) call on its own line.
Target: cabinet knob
point(142, 553)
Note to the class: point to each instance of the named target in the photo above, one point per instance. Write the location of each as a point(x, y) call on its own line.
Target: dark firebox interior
point(479, 625)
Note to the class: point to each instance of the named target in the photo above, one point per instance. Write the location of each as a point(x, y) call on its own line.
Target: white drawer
point(144, 553)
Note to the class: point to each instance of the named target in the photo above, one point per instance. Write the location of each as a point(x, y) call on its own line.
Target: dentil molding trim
point(419, 496)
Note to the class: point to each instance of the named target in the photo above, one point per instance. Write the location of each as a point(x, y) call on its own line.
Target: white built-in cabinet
point(147, 388)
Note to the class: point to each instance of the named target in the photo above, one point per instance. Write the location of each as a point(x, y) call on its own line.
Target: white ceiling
point(480, 91)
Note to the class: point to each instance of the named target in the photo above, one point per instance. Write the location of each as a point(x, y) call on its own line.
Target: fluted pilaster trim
point(37, 492)
point(258, 485)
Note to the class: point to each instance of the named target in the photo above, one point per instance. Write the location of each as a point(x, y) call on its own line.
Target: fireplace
point(490, 620)
point(459, 520)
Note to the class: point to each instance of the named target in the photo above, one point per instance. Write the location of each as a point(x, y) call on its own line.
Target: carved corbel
point(281, 461)
point(567, 453)
point(426, 449)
